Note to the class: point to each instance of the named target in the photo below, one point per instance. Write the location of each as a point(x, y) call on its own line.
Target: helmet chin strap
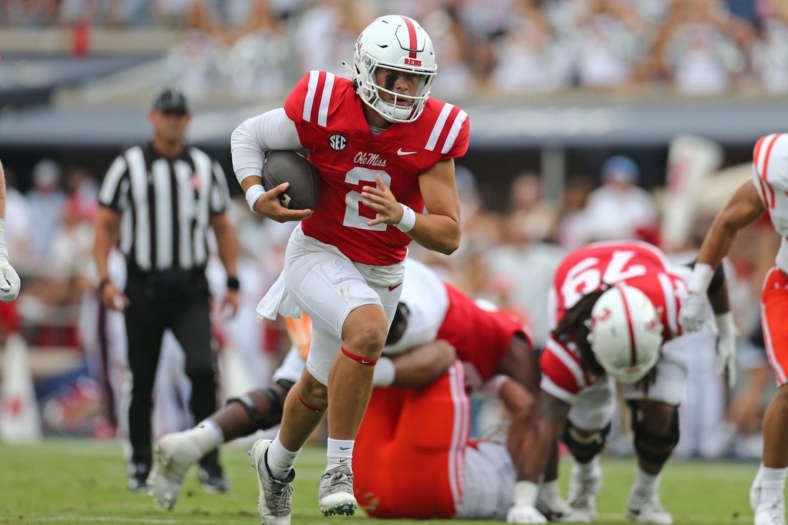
point(391, 111)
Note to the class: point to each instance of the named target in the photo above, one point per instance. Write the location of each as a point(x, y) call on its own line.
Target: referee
point(157, 202)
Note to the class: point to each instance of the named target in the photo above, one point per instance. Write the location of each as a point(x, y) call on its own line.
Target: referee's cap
point(171, 99)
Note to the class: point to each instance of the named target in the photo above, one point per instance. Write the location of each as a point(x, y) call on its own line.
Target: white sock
point(551, 488)
point(206, 435)
point(772, 484)
point(340, 452)
point(587, 470)
point(645, 482)
point(280, 460)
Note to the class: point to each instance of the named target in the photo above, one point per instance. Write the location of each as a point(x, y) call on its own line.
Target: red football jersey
point(329, 117)
point(480, 337)
point(583, 271)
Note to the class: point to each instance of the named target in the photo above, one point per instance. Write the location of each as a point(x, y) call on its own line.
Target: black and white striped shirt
point(166, 206)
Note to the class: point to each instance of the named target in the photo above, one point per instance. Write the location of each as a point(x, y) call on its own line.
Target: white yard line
point(111, 519)
point(682, 518)
point(99, 519)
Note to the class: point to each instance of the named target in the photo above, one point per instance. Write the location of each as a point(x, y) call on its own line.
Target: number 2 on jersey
point(360, 177)
point(587, 275)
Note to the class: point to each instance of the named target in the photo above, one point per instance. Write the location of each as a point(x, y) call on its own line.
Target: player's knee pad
point(651, 446)
point(275, 394)
point(584, 445)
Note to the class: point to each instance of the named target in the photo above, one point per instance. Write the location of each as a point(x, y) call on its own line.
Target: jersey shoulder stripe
point(318, 97)
point(459, 119)
point(446, 128)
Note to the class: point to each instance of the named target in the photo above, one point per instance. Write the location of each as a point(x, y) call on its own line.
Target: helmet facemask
point(394, 111)
point(381, 45)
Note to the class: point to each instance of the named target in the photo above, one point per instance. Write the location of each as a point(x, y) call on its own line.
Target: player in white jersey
point(767, 191)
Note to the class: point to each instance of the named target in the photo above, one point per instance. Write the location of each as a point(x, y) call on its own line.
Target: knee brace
point(583, 445)
point(275, 399)
point(650, 446)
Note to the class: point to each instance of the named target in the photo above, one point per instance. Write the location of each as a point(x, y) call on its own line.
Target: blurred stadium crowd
point(497, 47)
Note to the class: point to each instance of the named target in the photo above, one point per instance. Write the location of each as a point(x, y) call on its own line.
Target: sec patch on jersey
point(288, 166)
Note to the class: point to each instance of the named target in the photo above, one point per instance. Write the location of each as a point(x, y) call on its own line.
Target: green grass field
point(65, 482)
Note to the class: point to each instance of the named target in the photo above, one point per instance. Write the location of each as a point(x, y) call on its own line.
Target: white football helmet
point(625, 333)
point(398, 43)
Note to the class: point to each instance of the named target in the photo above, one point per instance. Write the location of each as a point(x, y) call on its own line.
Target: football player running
point(385, 151)
point(613, 307)
point(766, 192)
point(261, 408)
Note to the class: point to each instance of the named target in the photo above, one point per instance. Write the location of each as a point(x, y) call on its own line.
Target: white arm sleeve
point(272, 130)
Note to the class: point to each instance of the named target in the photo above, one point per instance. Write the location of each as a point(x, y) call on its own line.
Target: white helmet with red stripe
point(401, 44)
point(770, 177)
point(625, 333)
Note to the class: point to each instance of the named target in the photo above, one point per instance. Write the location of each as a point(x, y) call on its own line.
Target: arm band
point(702, 275)
point(492, 388)
point(717, 280)
point(254, 193)
point(408, 220)
point(384, 372)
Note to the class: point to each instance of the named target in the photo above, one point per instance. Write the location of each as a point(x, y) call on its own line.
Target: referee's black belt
point(168, 278)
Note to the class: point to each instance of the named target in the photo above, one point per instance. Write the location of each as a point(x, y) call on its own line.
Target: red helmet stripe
point(632, 349)
point(414, 41)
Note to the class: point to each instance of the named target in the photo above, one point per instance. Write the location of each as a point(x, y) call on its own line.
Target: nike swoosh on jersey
point(392, 288)
point(400, 152)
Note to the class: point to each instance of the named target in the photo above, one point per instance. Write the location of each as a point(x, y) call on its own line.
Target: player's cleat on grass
point(336, 492)
point(273, 502)
point(755, 493)
point(765, 513)
point(583, 492)
point(173, 454)
point(212, 479)
point(773, 514)
point(138, 474)
point(646, 508)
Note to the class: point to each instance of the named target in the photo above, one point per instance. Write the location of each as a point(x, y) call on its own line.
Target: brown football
point(289, 166)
